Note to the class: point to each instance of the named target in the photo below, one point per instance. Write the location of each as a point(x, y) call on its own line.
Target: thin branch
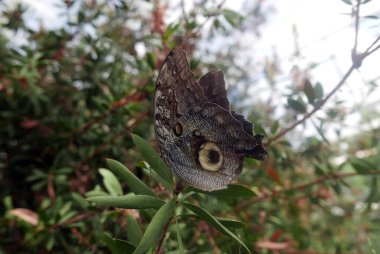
point(208, 18)
point(320, 180)
point(75, 219)
point(374, 49)
point(368, 50)
point(159, 249)
point(356, 13)
point(160, 245)
point(357, 59)
point(315, 109)
point(184, 12)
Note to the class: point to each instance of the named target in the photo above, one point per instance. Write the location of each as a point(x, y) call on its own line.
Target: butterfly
point(201, 140)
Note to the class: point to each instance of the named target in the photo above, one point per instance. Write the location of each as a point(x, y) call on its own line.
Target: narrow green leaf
point(130, 201)
point(371, 17)
point(97, 191)
point(229, 223)
point(80, 200)
point(309, 91)
point(275, 127)
point(152, 174)
point(156, 226)
point(318, 90)
point(134, 233)
point(232, 17)
point(373, 195)
point(172, 28)
point(153, 159)
point(258, 129)
point(179, 237)
point(110, 182)
point(151, 60)
point(134, 183)
point(362, 166)
point(296, 105)
point(349, 2)
point(232, 191)
point(207, 217)
point(118, 246)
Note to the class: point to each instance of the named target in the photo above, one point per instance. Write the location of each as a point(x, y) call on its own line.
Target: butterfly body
point(201, 140)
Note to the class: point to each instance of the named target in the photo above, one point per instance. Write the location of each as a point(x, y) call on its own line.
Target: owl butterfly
point(200, 139)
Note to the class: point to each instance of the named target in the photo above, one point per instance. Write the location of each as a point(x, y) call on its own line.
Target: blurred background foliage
point(69, 98)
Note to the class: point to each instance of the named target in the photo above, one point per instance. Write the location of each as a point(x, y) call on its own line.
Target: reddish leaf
point(265, 244)
point(274, 175)
point(26, 215)
point(28, 124)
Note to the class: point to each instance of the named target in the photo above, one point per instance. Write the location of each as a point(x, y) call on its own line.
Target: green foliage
point(165, 210)
point(70, 98)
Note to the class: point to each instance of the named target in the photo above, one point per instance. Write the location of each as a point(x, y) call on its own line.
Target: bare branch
point(356, 13)
point(357, 59)
point(368, 50)
point(316, 108)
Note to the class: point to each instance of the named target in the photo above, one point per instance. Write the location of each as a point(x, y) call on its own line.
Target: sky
point(325, 36)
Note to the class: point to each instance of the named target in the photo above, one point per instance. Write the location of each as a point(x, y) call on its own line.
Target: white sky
point(325, 36)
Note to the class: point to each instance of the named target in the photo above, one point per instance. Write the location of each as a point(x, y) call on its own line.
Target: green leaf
point(309, 91)
point(179, 238)
point(134, 183)
point(207, 217)
point(373, 195)
point(170, 30)
point(275, 127)
point(151, 60)
point(110, 182)
point(134, 233)
point(318, 90)
point(152, 174)
point(82, 202)
point(153, 159)
point(296, 105)
point(130, 201)
point(156, 226)
point(258, 129)
point(232, 191)
point(231, 223)
point(97, 191)
point(232, 17)
point(362, 166)
point(349, 2)
point(118, 246)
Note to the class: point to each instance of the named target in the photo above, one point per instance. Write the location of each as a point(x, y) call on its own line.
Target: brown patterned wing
point(202, 142)
point(214, 89)
point(176, 90)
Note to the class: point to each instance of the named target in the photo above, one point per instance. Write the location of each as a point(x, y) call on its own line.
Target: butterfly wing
point(199, 138)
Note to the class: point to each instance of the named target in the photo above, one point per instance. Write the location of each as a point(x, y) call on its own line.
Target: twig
point(356, 13)
point(357, 59)
point(50, 187)
point(200, 27)
point(315, 109)
point(160, 245)
point(159, 249)
point(317, 181)
point(369, 51)
point(208, 230)
point(184, 12)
